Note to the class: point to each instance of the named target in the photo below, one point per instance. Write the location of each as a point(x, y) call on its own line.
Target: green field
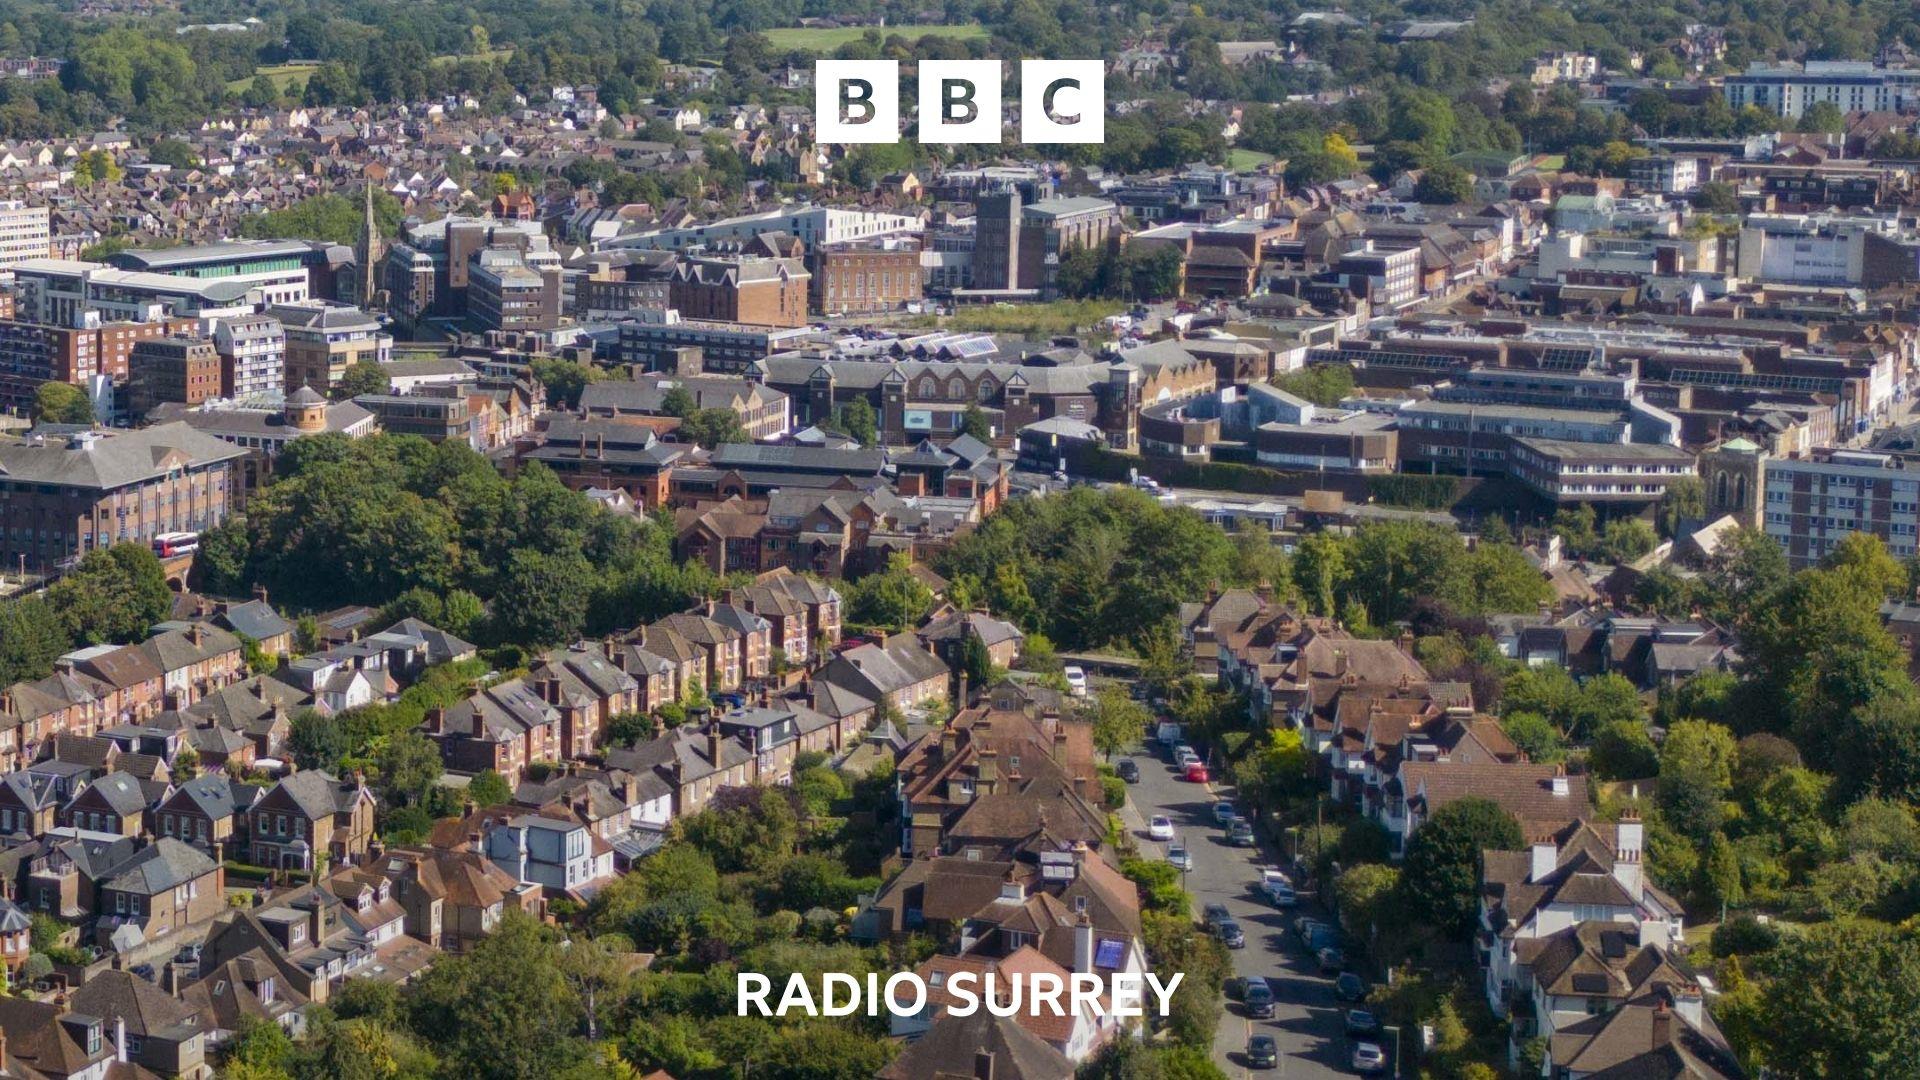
point(827, 39)
point(1238, 158)
point(285, 77)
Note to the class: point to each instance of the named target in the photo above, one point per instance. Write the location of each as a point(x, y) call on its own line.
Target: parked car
point(1181, 753)
point(1180, 857)
point(1278, 889)
point(1331, 960)
point(1349, 987)
point(1128, 770)
point(1258, 998)
point(1369, 1059)
point(1076, 681)
point(1223, 811)
point(1362, 1024)
point(1262, 1052)
point(1195, 773)
point(1160, 828)
point(1305, 925)
point(1240, 833)
point(1230, 934)
point(1214, 913)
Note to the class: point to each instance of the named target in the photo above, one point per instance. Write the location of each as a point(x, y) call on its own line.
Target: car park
point(1369, 1059)
point(1128, 770)
point(1160, 828)
point(1223, 811)
point(1262, 1052)
point(1258, 998)
point(1240, 833)
point(1349, 987)
point(1230, 934)
point(1180, 857)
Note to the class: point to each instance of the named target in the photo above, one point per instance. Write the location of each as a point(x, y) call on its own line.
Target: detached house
point(310, 815)
point(164, 889)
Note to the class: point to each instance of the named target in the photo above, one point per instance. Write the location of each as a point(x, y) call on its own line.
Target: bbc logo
point(1061, 101)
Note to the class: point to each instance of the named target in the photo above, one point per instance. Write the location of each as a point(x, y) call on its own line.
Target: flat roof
point(1606, 451)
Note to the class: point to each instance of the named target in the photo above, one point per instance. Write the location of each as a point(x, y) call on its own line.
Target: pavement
point(1307, 1020)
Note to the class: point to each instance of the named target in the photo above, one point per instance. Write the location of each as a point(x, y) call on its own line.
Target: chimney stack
point(1083, 945)
point(713, 742)
point(1662, 1026)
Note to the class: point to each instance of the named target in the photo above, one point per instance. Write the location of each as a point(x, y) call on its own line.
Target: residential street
point(1307, 1019)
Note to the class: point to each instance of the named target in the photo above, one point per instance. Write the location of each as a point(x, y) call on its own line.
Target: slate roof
point(156, 869)
point(116, 459)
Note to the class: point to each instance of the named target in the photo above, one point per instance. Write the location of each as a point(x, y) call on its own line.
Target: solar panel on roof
point(1109, 953)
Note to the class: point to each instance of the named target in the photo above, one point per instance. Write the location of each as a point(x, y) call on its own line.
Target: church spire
point(367, 253)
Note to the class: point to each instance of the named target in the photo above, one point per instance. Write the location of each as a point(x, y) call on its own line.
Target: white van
point(1076, 681)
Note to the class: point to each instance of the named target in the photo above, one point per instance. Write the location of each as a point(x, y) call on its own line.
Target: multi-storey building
point(282, 271)
point(68, 292)
point(26, 232)
point(59, 499)
point(1814, 502)
point(874, 275)
point(741, 289)
point(176, 369)
point(325, 338)
point(1614, 473)
point(655, 341)
point(253, 355)
point(504, 293)
point(1852, 86)
point(93, 358)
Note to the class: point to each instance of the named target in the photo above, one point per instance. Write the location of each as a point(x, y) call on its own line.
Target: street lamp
point(1395, 1029)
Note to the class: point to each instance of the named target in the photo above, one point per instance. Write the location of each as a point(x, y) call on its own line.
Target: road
point(1306, 1021)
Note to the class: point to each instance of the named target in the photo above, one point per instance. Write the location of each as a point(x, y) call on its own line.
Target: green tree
point(1441, 872)
point(1717, 197)
point(61, 403)
point(894, 598)
point(1696, 773)
point(488, 788)
point(174, 152)
point(713, 427)
point(1535, 735)
point(115, 595)
point(409, 767)
point(1823, 118)
point(856, 418)
point(1843, 1000)
point(1627, 539)
point(1444, 182)
point(1119, 722)
point(1367, 897)
point(1622, 750)
point(678, 401)
point(31, 639)
point(363, 377)
point(974, 422)
point(503, 1009)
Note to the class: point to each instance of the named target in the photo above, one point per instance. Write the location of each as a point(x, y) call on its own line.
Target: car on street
point(1180, 857)
point(1076, 681)
point(1128, 770)
point(1160, 828)
point(1369, 1059)
point(1349, 987)
point(1230, 934)
point(1332, 960)
point(1223, 811)
point(1262, 1052)
point(1258, 998)
point(1182, 753)
point(1362, 1024)
point(1278, 889)
point(1195, 773)
point(1240, 833)
point(1213, 913)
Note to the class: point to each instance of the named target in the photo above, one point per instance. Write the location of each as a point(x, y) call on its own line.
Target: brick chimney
point(436, 719)
point(1662, 1026)
point(713, 743)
